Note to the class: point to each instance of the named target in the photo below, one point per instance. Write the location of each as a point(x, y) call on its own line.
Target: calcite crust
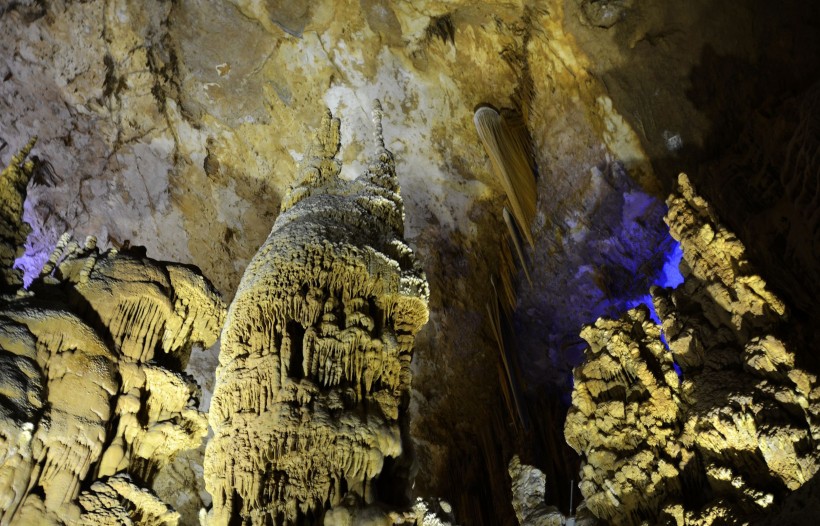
point(315, 359)
point(728, 440)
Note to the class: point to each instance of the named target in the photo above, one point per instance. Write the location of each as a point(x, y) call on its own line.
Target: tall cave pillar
point(314, 369)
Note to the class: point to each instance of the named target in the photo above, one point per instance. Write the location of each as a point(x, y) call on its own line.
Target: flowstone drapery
point(314, 368)
point(92, 398)
point(727, 441)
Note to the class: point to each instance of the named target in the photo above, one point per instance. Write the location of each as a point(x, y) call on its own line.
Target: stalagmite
point(528, 490)
point(92, 398)
point(727, 441)
point(625, 418)
point(13, 231)
point(314, 368)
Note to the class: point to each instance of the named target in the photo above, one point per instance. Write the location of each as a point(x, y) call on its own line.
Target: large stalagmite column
point(315, 361)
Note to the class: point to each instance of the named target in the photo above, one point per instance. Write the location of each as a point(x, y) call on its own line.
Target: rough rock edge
point(726, 443)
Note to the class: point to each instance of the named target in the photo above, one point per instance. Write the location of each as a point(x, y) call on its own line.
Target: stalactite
point(509, 153)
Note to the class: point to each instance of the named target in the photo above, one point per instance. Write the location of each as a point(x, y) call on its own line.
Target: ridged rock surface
point(314, 368)
point(92, 397)
point(728, 440)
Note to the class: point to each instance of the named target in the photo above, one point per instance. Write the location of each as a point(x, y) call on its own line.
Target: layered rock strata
point(728, 436)
point(92, 397)
point(314, 368)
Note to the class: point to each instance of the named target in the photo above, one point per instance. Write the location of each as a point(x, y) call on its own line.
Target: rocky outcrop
point(314, 368)
point(625, 418)
point(727, 438)
point(92, 398)
point(528, 489)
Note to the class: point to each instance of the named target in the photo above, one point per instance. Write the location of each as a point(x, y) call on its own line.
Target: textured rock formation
point(314, 368)
point(13, 181)
point(529, 486)
point(161, 122)
point(423, 512)
point(728, 440)
point(170, 107)
point(92, 400)
point(625, 418)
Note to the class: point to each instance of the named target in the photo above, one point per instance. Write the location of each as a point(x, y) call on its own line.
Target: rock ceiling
point(183, 126)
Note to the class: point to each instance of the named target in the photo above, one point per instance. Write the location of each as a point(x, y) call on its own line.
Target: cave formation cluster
point(704, 417)
point(699, 416)
point(94, 398)
point(312, 387)
point(523, 362)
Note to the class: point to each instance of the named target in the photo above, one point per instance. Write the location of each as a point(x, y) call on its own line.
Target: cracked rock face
point(314, 368)
point(735, 433)
point(93, 398)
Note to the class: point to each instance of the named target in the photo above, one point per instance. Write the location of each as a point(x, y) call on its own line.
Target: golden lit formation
point(315, 359)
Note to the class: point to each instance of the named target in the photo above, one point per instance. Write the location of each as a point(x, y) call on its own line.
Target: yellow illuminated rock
point(728, 440)
point(314, 367)
point(92, 397)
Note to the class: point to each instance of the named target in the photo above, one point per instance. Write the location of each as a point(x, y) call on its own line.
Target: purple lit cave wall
point(608, 261)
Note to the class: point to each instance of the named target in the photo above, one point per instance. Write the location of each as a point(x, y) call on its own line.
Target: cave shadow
point(751, 108)
point(762, 111)
point(744, 169)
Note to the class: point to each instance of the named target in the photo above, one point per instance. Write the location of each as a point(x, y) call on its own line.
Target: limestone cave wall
point(534, 143)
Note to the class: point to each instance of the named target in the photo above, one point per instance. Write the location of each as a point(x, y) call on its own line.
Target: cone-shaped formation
point(728, 441)
point(13, 231)
point(505, 142)
point(315, 360)
point(92, 400)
